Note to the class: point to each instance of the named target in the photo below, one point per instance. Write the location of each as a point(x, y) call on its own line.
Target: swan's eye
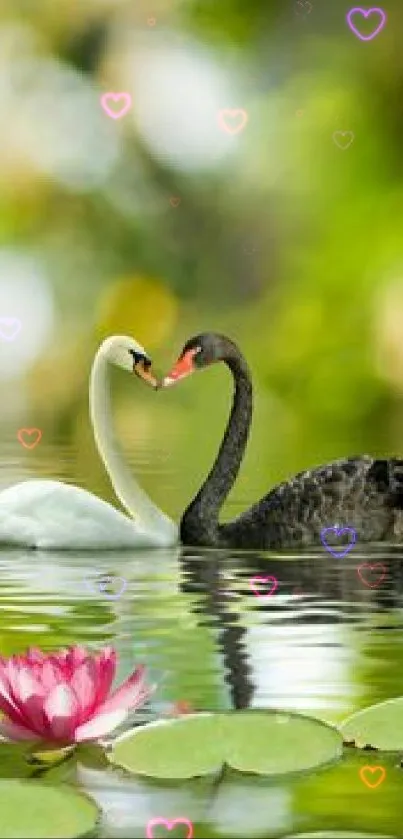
point(139, 356)
point(199, 357)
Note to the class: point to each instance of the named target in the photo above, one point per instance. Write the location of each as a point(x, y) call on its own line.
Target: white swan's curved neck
point(149, 517)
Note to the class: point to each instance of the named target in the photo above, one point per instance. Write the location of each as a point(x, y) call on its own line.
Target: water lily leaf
point(272, 743)
point(36, 811)
point(262, 742)
point(179, 748)
point(379, 726)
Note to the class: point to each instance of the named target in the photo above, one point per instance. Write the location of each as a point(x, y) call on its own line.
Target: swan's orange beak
point(183, 367)
point(143, 370)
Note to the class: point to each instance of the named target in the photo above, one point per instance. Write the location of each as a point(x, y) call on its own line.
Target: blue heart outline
point(107, 582)
point(338, 531)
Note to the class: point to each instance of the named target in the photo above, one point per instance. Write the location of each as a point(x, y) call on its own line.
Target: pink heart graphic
point(127, 100)
point(237, 114)
point(256, 580)
point(376, 582)
point(366, 13)
point(169, 824)
point(35, 433)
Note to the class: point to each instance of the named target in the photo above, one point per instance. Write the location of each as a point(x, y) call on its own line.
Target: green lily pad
point(262, 742)
point(379, 726)
point(36, 811)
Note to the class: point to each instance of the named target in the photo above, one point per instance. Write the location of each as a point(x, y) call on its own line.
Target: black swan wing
point(358, 492)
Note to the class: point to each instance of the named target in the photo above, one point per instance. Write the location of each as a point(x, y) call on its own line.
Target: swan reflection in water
point(299, 653)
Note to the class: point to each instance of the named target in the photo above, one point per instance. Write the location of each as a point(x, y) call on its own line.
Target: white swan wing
point(52, 515)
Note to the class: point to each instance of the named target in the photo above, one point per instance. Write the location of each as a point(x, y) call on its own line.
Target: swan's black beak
point(142, 369)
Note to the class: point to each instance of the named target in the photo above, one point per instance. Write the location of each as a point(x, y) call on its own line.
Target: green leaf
point(36, 811)
point(380, 726)
point(15, 760)
point(262, 742)
point(272, 743)
point(180, 748)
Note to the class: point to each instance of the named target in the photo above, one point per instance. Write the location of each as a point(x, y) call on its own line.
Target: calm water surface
point(323, 644)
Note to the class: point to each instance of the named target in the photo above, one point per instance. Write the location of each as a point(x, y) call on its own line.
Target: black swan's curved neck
point(200, 525)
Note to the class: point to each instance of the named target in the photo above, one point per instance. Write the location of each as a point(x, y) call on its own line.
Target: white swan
point(52, 515)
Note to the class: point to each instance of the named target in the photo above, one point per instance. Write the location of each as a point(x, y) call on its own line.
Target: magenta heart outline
point(338, 532)
point(115, 97)
point(169, 824)
point(254, 580)
point(366, 13)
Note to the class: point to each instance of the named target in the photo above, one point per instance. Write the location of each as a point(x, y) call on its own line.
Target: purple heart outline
point(106, 580)
point(338, 531)
point(7, 323)
point(366, 13)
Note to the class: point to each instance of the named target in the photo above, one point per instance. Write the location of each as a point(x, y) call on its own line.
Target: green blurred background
point(161, 225)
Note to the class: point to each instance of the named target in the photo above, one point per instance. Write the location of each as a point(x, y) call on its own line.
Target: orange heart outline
point(365, 769)
point(29, 431)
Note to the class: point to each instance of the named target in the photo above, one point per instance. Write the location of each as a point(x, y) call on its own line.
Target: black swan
point(358, 492)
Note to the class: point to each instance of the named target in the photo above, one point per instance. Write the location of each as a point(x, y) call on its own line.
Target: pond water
point(326, 643)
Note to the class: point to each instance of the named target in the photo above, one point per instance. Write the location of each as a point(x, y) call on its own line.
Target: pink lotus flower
point(63, 697)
